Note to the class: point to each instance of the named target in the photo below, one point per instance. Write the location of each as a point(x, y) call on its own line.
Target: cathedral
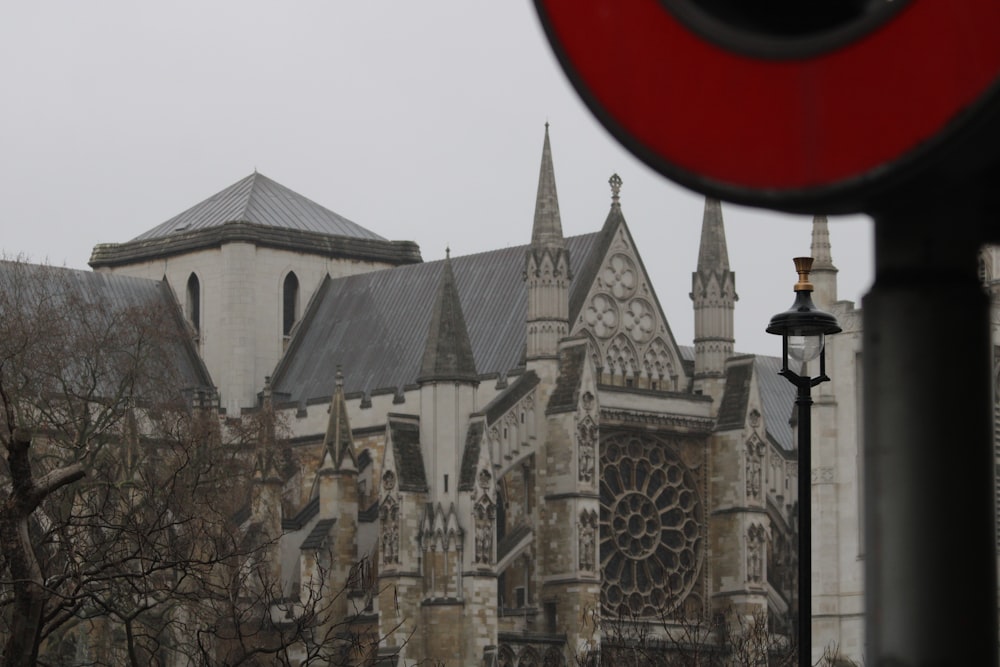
point(514, 440)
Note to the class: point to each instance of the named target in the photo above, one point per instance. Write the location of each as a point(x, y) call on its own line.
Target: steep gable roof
point(375, 324)
point(260, 200)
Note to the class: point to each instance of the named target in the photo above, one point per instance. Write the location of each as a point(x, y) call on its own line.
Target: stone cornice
point(617, 416)
point(313, 243)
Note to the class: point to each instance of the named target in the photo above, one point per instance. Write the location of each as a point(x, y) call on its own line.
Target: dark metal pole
point(804, 404)
point(930, 561)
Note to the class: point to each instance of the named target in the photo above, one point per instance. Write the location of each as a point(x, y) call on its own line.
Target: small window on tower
point(290, 303)
point(194, 302)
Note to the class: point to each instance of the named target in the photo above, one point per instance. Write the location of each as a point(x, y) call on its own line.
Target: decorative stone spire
point(448, 351)
point(547, 268)
point(338, 444)
point(713, 291)
point(547, 228)
point(824, 273)
point(713, 256)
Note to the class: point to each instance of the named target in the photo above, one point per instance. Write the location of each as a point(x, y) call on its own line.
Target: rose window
point(620, 276)
point(602, 315)
point(639, 320)
point(651, 516)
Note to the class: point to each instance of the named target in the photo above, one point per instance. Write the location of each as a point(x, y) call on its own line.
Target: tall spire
point(712, 253)
point(448, 351)
point(546, 269)
point(338, 443)
point(547, 229)
point(824, 273)
point(713, 291)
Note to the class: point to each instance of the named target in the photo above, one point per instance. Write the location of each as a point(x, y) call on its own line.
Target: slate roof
point(564, 396)
point(470, 457)
point(258, 210)
point(733, 408)
point(375, 325)
point(317, 537)
point(109, 295)
point(405, 436)
point(777, 396)
point(506, 399)
point(260, 200)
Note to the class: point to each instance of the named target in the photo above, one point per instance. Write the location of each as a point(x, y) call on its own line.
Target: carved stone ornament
point(755, 418)
point(388, 480)
point(588, 539)
point(620, 276)
point(389, 531)
point(639, 320)
point(754, 468)
point(587, 433)
point(485, 519)
point(602, 315)
point(484, 479)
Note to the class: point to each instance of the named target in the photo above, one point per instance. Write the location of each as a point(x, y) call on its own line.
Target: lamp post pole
point(803, 330)
point(803, 403)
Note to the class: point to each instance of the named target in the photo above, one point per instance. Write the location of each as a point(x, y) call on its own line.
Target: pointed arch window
point(194, 302)
point(290, 303)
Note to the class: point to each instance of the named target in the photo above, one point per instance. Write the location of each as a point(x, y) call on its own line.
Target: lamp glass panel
point(804, 349)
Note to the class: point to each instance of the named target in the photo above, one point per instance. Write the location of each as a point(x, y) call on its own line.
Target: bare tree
point(128, 532)
point(689, 638)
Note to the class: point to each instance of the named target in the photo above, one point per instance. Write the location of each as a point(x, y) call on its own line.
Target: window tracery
point(651, 543)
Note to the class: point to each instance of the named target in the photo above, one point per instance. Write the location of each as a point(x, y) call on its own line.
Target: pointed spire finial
point(447, 350)
point(616, 188)
point(547, 227)
point(447, 252)
point(339, 377)
point(712, 252)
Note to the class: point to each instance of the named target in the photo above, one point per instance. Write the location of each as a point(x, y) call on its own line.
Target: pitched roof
point(470, 455)
point(565, 394)
point(777, 396)
point(733, 407)
point(405, 435)
point(317, 537)
point(260, 211)
point(104, 298)
point(375, 324)
point(260, 200)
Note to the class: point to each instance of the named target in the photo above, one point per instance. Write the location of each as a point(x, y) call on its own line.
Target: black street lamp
point(803, 329)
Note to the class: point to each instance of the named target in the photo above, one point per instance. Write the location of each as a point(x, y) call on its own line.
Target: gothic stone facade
point(514, 440)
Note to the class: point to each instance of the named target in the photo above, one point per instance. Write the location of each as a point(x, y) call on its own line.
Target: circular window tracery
point(651, 516)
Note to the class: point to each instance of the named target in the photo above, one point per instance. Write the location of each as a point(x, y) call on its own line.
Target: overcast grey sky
point(420, 121)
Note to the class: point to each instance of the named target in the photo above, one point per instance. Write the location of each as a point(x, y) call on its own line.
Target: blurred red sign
point(793, 117)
